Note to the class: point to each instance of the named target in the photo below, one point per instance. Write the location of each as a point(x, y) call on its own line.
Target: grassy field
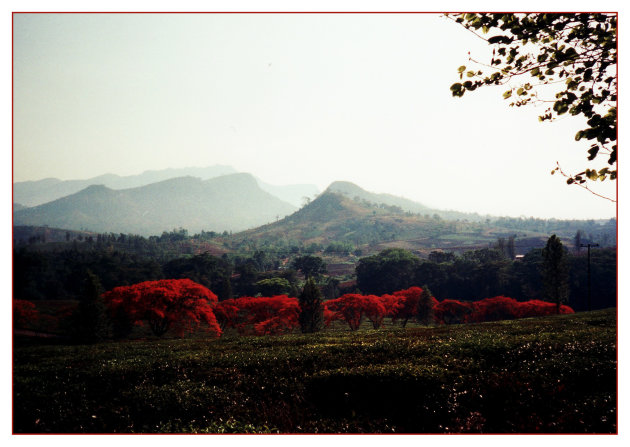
point(544, 375)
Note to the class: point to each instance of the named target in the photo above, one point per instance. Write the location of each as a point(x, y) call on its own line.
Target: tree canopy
point(554, 271)
point(311, 316)
point(568, 61)
point(179, 303)
point(310, 266)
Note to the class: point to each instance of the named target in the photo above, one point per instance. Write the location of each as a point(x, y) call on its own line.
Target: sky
point(290, 98)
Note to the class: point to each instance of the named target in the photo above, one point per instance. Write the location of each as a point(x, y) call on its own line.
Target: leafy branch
point(578, 180)
point(574, 53)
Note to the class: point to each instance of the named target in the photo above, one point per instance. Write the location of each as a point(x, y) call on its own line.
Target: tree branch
point(581, 185)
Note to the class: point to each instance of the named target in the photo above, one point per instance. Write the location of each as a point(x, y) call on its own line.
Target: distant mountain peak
point(38, 192)
point(231, 202)
point(94, 188)
point(354, 192)
point(344, 187)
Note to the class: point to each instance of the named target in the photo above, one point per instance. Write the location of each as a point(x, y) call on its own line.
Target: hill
point(227, 203)
point(358, 194)
point(33, 193)
point(335, 217)
point(346, 214)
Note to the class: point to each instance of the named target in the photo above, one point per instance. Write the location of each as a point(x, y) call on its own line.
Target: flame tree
point(180, 304)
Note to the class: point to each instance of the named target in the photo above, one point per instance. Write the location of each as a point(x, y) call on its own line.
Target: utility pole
point(588, 270)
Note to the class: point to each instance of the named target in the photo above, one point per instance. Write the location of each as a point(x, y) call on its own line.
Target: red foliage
point(329, 316)
point(178, 303)
point(226, 313)
point(374, 310)
point(392, 304)
point(408, 304)
point(452, 311)
point(353, 307)
point(494, 309)
point(24, 313)
point(259, 315)
point(538, 308)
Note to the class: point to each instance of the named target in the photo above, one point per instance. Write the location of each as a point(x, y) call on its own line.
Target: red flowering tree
point(452, 311)
point(180, 304)
point(392, 304)
point(24, 313)
point(374, 310)
point(353, 307)
point(408, 304)
point(259, 315)
point(347, 308)
point(494, 309)
point(329, 316)
point(538, 308)
point(226, 313)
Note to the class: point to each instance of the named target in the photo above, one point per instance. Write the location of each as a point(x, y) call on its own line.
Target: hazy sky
point(291, 98)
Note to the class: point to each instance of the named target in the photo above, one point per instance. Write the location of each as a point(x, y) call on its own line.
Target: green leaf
point(591, 174)
point(457, 89)
point(461, 69)
point(507, 94)
point(593, 152)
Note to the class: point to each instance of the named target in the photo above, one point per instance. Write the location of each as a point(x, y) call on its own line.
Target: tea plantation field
point(543, 375)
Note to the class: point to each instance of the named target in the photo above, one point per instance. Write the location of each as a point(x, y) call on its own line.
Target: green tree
point(273, 286)
point(331, 289)
point(568, 60)
point(554, 271)
point(247, 277)
point(510, 250)
point(439, 256)
point(310, 266)
point(311, 316)
point(390, 270)
point(89, 321)
point(426, 306)
point(224, 291)
point(205, 269)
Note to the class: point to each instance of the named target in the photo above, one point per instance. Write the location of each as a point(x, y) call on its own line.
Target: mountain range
point(239, 203)
point(33, 193)
point(213, 199)
point(232, 202)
